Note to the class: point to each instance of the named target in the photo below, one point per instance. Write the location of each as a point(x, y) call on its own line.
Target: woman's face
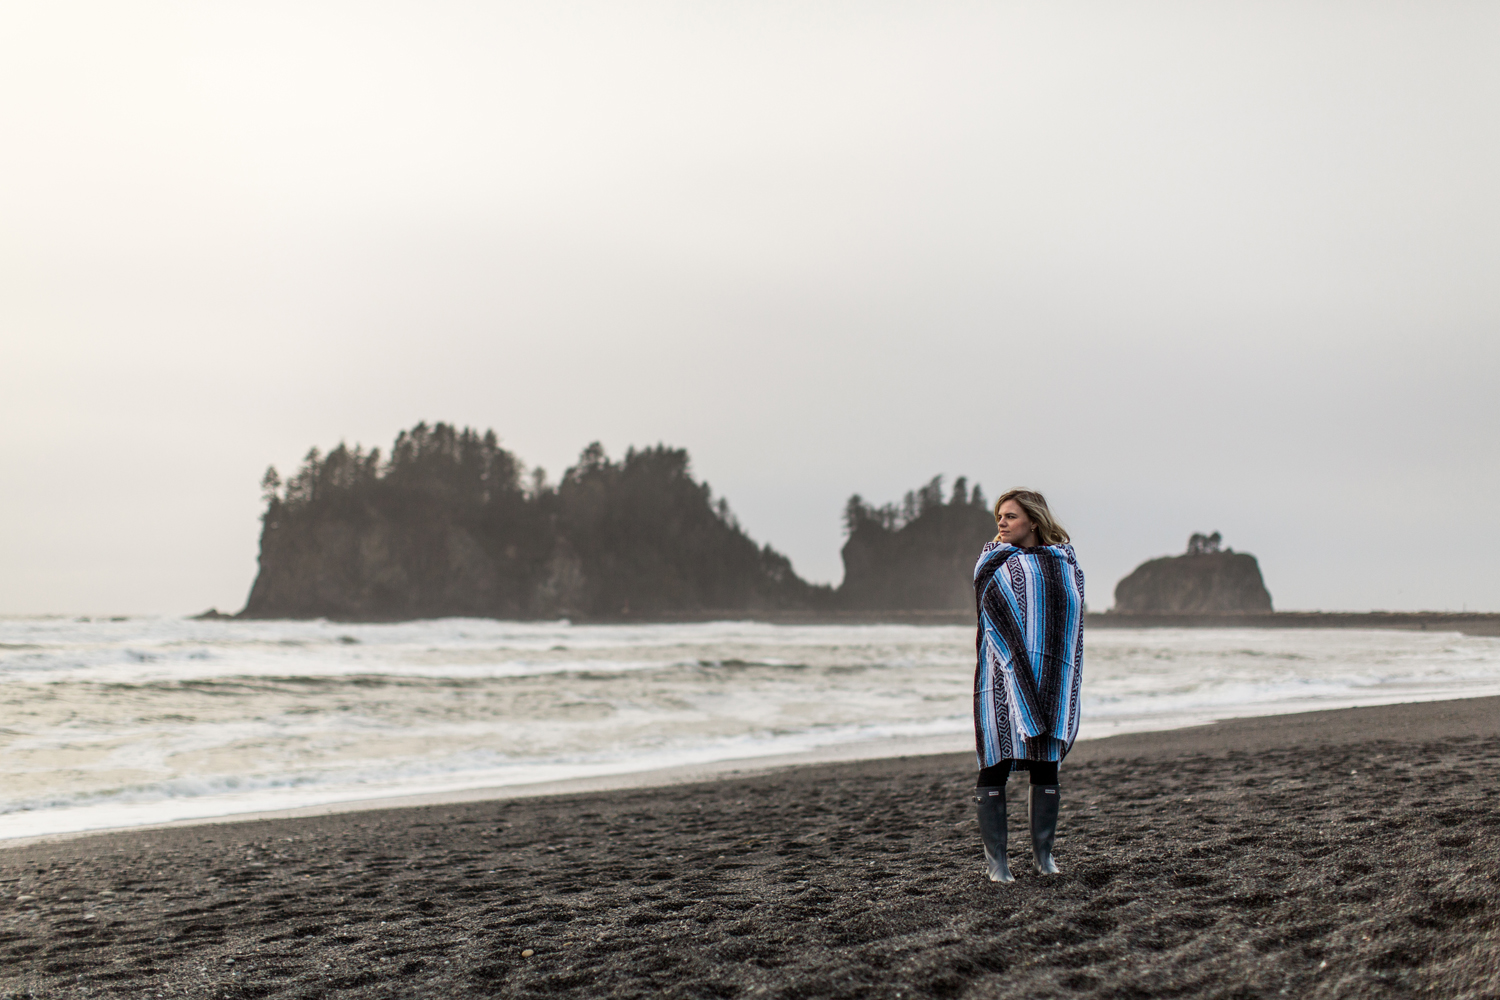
point(1015, 527)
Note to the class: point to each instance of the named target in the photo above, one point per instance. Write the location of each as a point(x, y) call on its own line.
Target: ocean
point(129, 721)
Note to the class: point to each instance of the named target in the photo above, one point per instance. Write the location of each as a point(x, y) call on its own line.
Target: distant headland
point(452, 524)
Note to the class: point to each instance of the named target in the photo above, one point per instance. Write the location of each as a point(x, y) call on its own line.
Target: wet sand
point(1351, 853)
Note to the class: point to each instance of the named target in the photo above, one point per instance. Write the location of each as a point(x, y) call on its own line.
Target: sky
point(1183, 266)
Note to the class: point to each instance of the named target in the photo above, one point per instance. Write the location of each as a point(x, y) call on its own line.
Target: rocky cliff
point(918, 556)
point(447, 527)
point(1203, 580)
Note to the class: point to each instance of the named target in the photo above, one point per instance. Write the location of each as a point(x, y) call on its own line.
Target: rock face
point(446, 527)
point(916, 557)
point(1203, 580)
point(371, 566)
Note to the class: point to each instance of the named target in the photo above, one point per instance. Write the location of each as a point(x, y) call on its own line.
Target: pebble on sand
point(527, 953)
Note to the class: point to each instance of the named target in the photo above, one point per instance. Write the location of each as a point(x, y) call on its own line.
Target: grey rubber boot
point(991, 806)
point(1041, 805)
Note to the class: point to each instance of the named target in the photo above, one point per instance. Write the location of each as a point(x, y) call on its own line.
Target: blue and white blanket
point(1030, 652)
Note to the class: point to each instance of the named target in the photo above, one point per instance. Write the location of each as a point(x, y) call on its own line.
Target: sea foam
point(145, 720)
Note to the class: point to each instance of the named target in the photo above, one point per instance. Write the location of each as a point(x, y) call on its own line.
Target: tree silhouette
point(918, 555)
point(450, 524)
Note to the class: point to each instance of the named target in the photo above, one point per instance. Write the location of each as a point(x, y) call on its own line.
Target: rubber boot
point(991, 804)
point(1041, 805)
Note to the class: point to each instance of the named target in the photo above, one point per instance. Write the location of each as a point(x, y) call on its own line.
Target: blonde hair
point(1048, 531)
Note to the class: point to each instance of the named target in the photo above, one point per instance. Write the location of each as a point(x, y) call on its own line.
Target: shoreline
point(1339, 853)
point(1416, 720)
point(1480, 623)
point(652, 778)
point(278, 794)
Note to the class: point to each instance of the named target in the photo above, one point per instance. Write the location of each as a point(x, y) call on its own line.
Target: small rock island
point(1203, 580)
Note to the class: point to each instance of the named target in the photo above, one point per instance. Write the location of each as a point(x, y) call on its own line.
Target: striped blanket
point(1030, 652)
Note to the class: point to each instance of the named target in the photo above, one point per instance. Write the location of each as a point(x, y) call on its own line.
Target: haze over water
point(107, 723)
point(1243, 252)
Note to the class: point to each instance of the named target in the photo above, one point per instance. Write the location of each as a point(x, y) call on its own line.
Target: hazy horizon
point(1182, 268)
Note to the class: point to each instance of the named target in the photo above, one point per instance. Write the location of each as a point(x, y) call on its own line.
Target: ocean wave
point(143, 720)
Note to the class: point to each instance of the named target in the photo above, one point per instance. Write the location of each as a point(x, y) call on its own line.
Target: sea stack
point(1203, 580)
point(918, 556)
point(448, 526)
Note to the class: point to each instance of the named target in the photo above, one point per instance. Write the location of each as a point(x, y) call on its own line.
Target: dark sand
point(1336, 854)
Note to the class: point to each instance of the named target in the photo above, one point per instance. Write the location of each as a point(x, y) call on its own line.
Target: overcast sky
point(1182, 266)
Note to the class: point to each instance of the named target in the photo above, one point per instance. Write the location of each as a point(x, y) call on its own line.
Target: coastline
point(1480, 623)
point(212, 671)
point(1246, 733)
point(652, 778)
point(1250, 857)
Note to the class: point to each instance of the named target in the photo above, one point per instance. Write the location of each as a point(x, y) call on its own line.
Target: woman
point(1029, 593)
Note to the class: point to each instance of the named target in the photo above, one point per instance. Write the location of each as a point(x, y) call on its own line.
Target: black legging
point(1043, 772)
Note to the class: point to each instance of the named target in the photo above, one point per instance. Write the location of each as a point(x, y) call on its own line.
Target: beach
point(112, 724)
point(1345, 853)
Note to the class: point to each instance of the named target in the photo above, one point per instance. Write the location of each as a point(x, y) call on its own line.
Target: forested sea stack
point(918, 556)
point(452, 524)
point(449, 525)
point(1203, 580)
